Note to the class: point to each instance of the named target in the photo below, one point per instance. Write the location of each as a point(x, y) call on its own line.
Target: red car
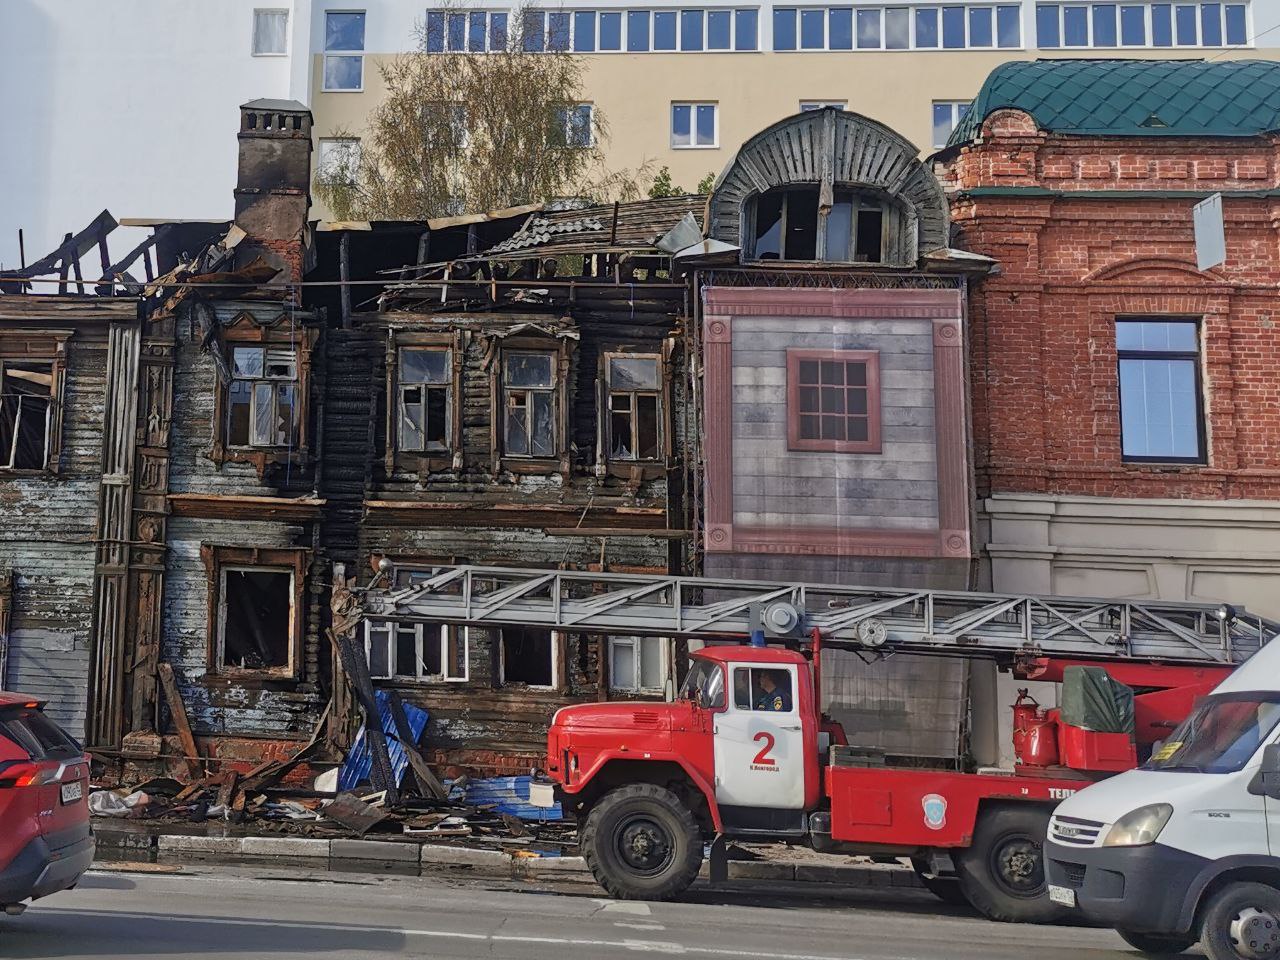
point(45, 840)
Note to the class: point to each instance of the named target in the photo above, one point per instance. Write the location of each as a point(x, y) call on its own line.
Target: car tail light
point(19, 774)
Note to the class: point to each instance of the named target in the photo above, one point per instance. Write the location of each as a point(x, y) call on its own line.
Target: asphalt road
point(283, 913)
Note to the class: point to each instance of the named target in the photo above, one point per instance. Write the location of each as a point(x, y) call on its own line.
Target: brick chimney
point(273, 184)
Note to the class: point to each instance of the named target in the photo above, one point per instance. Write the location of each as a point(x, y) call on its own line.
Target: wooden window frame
point(871, 360)
point(561, 350)
point(420, 640)
point(246, 331)
point(41, 346)
point(662, 392)
point(637, 642)
point(559, 646)
point(293, 560)
point(425, 461)
point(893, 222)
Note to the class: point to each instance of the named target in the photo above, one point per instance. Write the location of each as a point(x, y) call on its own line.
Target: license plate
point(1063, 895)
point(72, 792)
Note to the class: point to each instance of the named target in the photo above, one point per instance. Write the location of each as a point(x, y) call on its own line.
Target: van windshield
point(704, 685)
point(1220, 735)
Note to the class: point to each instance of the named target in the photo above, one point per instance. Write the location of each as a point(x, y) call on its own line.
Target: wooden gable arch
point(833, 147)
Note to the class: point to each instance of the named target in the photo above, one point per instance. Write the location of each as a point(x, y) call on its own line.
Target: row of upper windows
point(887, 27)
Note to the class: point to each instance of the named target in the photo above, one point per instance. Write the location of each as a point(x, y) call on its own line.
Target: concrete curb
point(425, 858)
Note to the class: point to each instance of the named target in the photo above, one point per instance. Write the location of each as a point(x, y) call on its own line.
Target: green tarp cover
point(1093, 701)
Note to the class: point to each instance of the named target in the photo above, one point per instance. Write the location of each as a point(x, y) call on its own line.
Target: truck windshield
point(1221, 734)
point(704, 685)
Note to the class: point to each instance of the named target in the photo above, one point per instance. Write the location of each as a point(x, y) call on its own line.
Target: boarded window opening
point(26, 401)
point(257, 618)
point(527, 656)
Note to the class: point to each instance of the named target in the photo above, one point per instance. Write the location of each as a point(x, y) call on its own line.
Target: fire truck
point(744, 751)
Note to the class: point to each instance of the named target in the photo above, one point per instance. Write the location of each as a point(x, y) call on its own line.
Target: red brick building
point(1126, 404)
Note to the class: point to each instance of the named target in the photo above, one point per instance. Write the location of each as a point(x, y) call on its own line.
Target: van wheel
point(1002, 871)
point(1242, 922)
point(946, 889)
point(642, 843)
point(1155, 946)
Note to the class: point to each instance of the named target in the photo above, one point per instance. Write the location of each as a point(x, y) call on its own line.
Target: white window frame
point(693, 124)
point(253, 39)
point(257, 442)
point(288, 669)
point(911, 8)
point(1148, 25)
point(955, 106)
point(337, 144)
point(557, 645)
point(421, 636)
point(635, 684)
point(761, 13)
point(324, 87)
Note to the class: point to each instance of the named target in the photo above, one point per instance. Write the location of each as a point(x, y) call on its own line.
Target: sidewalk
point(135, 841)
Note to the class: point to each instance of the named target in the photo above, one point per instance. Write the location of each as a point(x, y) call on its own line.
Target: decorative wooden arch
point(830, 147)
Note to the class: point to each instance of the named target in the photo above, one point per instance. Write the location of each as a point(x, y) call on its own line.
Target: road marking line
point(624, 906)
point(637, 946)
point(639, 926)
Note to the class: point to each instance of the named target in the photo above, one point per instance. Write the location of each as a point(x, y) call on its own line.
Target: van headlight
point(1139, 827)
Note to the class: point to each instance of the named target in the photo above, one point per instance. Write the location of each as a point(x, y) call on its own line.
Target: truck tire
point(1156, 946)
point(946, 889)
point(1002, 871)
point(642, 843)
point(1241, 922)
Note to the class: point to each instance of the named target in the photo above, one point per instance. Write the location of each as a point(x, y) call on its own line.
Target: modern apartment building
point(684, 84)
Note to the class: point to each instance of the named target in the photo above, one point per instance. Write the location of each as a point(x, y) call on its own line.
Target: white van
point(1187, 847)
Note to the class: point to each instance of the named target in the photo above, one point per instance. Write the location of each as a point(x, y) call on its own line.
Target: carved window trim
point(293, 560)
point(561, 349)
point(42, 346)
point(422, 461)
point(245, 330)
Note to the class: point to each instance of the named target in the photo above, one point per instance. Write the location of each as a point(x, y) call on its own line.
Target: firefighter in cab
point(775, 692)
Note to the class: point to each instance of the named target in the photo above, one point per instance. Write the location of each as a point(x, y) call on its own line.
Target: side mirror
point(1267, 780)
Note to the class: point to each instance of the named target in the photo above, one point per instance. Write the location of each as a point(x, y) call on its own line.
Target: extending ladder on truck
point(953, 623)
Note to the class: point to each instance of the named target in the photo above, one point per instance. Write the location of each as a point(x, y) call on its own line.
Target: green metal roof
point(1183, 98)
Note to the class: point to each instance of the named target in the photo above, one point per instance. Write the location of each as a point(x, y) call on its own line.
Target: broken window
point(634, 386)
point(789, 226)
point(529, 401)
point(415, 651)
point(528, 656)
point(256, 618)
point(638, 663)
point(833, 400)
point(26, 413)
point(425, 388)
point(262, 407)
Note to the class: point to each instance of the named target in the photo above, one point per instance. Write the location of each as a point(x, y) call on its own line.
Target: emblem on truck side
point(935, 810)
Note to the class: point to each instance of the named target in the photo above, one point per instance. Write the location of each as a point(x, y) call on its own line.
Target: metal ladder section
point(955, 623)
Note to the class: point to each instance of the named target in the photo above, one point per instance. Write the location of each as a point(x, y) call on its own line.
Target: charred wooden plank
point(179, 713)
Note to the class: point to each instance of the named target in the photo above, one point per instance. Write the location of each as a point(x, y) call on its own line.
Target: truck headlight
point(1139, 827)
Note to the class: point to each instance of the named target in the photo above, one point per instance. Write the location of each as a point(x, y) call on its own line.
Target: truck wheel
point(946, 889)
point(1242, 922)
point(1002, 871)
point(1156, 946)
point(642, 843)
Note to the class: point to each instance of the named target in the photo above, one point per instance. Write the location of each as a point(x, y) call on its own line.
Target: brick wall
point(1043, 356)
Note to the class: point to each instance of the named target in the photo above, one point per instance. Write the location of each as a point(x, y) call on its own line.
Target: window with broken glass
point(425, 398)
point(634, 386)
point(416, 651)
point(262, 398)
point(529, 404)
point(528, 655)
point(256, 619)
point(788, 225)
point(26, 413)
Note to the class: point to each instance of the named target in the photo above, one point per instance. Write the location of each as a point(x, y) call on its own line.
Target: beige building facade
point(684, 86)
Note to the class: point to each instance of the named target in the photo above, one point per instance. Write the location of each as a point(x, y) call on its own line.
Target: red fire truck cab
point(743, 752)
